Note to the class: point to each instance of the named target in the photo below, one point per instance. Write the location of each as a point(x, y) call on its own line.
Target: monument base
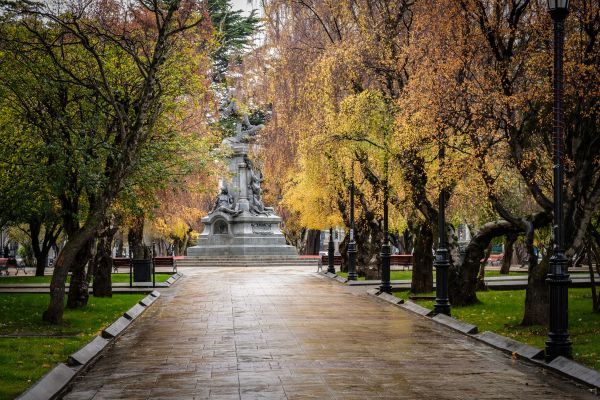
point(227, 235)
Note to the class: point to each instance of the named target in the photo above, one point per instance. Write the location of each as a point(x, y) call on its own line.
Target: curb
point(174, 278)
point(562, 366)
point(573, 370)
point(455, 324)
point(54, 383)
point(385, 297)
point(508, 345)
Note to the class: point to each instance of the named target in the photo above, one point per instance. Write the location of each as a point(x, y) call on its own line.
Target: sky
point(244, 5)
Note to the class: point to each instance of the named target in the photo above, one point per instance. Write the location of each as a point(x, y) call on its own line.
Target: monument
point(239, 224)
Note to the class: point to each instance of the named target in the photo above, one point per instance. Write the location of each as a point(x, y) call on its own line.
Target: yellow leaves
point(171, 227)
point(394, 95)
point(365, 115)
point(312, 195)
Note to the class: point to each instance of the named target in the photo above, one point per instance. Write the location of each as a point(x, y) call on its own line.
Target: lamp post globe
point(558, 343)
point(558, 6)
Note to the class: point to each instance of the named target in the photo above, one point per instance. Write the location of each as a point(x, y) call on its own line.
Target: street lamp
point(386, 285)
point(558, 343)
point(330, 253)
point(441, 262)
point(352, 276)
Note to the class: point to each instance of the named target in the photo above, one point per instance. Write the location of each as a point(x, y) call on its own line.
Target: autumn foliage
point(381, 85)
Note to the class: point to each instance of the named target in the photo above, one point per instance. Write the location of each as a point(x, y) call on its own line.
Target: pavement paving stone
point(285, 333)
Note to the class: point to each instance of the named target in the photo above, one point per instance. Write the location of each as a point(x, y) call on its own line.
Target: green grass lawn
point(502, 311)
point(116, 278)
point(394, 275)
point(512, 273)
point(407, 275)
point(24, 360)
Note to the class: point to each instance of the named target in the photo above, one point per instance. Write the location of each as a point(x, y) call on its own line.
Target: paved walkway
point(275, 333)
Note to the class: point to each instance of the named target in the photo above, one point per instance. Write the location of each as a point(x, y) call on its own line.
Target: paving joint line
point(57, 382)
point(562, 366)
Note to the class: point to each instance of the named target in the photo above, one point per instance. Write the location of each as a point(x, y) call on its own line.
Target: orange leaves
point(473, 75)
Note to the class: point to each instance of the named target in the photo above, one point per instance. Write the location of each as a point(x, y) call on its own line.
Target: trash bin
point(142, 270)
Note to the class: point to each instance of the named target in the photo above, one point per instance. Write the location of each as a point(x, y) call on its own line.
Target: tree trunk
point(186, 241)
point(344, 253)
point(520, 253)
point(313, 242)
point(180, 245)
point(136, 239)
point(79, 285)
point(462, 283)
point(595, 305)
point(35, 228)
point(536, 294)
point(40, 263)
point(594, 254)
point(162, 247)
point(406, 242)
point(509, 242)
point(102, 286)
point(463, 276)
point(368, 259)
point(41, 250)
point(481, 275)
point(66, 258)
point(120, 249)
point(422, 275)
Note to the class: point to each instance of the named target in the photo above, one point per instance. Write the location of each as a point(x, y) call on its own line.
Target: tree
point(25, 200)
point(472, 76)
point(233, 34)
point(323, 56)
point(107, 85)
point(484, 78)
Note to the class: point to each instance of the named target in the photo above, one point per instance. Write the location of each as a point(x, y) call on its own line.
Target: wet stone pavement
point(282, 333)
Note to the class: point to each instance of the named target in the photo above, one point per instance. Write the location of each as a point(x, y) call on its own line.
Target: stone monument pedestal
point(241, 235)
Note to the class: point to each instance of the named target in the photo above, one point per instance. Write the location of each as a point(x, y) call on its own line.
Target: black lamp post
point(386, 285)
point(558, 343)
point(352, 276)
point(330, 253)
point(441, 262)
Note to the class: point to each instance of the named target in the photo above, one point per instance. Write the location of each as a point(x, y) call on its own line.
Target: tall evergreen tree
point(234, 32)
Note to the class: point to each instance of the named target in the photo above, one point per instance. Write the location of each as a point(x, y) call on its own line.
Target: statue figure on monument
point(257, 206)
point(225, 203)
point(245, 131)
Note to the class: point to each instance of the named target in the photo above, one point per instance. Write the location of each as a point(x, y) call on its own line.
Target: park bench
point(401, 260)
point(4, 266)
point(6, 263)
point(495, 259)
point(324, 261)
point(396, 260)
point(169, 262)
point(121, 262)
